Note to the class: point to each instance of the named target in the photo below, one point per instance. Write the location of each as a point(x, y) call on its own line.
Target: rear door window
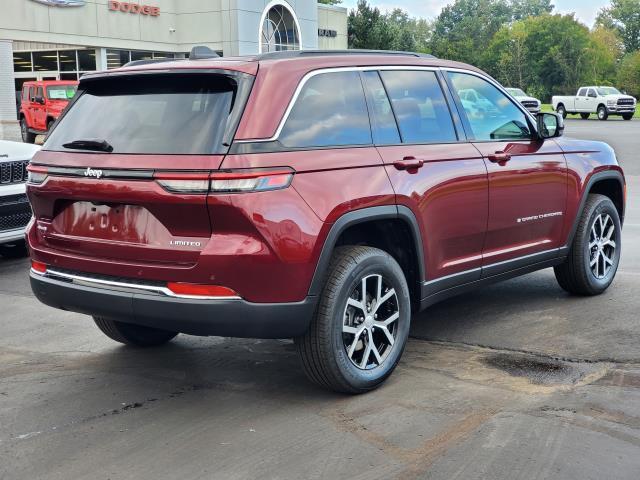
point(419, 105)
point(163, 114)
point(582, 92)
point(383, 123)
point(330, 111)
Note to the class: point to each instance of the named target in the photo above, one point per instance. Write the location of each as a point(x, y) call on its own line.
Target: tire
point(561, 110)
point(585, 116)
point(14, 250)
point(576, 275)
point(49, 125)
point(603, 114)
point(27, 136)
point(133, 335)
point(335, 358)
point(627, 116)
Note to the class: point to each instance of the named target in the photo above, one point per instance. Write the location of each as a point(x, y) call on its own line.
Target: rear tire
point(27, 136)
point(627, 116)
point(133, 335)
point(603, 114)
point(361, 324)
point(561, 110)
point(585, 116)
point(594, 255)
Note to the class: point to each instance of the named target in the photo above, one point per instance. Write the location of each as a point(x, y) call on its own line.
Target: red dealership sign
point(129, 7)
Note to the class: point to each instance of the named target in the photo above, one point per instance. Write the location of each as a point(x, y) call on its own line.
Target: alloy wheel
point(370, 322)
point(602, 245)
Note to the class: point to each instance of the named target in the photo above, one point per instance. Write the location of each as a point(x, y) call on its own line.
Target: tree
point(330, 2)
point(604, 53)
point(522, 9)
point(623, 16)
point(629, 74)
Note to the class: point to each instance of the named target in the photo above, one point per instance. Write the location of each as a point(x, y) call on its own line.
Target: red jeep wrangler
point(41, 105)
point(323, 196)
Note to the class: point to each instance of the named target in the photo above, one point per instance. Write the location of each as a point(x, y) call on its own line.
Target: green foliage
point(395, 30)
point(330, 2)
point(623, 16)
point(629, 74)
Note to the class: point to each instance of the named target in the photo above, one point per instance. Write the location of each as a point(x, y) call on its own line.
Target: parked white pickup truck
point(603, 101)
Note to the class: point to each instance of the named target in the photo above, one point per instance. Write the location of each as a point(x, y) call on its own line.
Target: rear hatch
point(124, 175)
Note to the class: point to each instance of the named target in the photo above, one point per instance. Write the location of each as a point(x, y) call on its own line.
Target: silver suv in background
point(15, 211)
point(530, 103)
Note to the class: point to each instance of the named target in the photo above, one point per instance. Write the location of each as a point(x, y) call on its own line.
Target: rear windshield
point(61, 92)
point(159, 114)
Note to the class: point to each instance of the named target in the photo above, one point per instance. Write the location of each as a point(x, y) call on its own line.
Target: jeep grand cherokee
point(320, 196)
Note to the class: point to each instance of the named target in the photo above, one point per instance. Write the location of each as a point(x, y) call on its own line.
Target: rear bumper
point(219, 317)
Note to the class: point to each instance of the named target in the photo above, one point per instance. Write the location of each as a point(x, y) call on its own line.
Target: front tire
point(594, 256)
point(585, 116)
point(603, 114)
point(361, 324)
point(133, 335)
point(562, 111)
point(27, 136)
point(627, 116)
point(14, 250)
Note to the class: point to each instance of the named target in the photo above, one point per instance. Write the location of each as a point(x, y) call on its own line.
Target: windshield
point(164, 114)
point(61, 92)
point(608, 91)
point(516, 92)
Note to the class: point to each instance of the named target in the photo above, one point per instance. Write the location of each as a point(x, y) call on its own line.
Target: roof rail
point(354, 51)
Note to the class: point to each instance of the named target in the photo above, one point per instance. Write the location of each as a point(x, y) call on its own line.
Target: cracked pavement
point(515, 381)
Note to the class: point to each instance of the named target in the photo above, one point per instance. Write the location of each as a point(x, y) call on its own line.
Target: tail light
point(183, 182)
point(37, 174)
point(200, 290)
point(254, 180)
point(38, 267)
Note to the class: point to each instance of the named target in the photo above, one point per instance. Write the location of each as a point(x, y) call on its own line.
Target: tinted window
point(592, 93)
point(330, 111)
point(582, 92)
point(491, 115)
point(167, 114)
point(419, 106)
point(383, 123)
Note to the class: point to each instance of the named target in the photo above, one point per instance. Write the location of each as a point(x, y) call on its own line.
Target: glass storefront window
point(45, 61)
point(141, 56)
point(117, 58)
point(22, 62)
point(87, 60)
point(68, 61)
point(69, 76)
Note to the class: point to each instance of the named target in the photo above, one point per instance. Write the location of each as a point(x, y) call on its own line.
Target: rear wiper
point(94, 144)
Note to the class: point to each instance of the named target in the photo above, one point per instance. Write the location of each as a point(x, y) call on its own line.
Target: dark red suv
point(323, 196)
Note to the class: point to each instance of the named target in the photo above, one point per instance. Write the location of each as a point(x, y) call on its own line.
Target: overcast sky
point(585, 10)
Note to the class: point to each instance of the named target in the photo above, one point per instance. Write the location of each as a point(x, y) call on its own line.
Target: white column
point(101, 59)
point(9, 128)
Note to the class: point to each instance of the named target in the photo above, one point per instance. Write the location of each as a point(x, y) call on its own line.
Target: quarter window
point(490, 113)
point(419, 106)
point(330, 111)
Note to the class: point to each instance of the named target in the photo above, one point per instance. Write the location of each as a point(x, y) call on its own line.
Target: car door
point(434, 171)
point(591, 101)
point(39, 111)
point(582, 101)
point(527, 179)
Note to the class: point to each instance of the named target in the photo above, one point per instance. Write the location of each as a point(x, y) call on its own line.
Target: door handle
point(408, 163)
point(499, 157)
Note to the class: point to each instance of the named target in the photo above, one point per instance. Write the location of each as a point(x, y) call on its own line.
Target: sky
point(585, 10)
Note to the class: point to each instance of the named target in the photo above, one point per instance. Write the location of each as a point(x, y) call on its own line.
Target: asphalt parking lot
point(517, 381)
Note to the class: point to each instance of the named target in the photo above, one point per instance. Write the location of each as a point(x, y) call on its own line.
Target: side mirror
point(39, 100)
point(550, 125)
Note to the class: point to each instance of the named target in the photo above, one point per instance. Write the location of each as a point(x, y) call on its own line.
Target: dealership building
point(63, 39)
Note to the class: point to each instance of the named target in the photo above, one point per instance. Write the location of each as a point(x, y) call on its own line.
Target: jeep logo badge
point(62, 3)
point(89, 172)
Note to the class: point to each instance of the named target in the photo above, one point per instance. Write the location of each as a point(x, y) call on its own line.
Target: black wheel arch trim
point(362, 216)
point(595, 178)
